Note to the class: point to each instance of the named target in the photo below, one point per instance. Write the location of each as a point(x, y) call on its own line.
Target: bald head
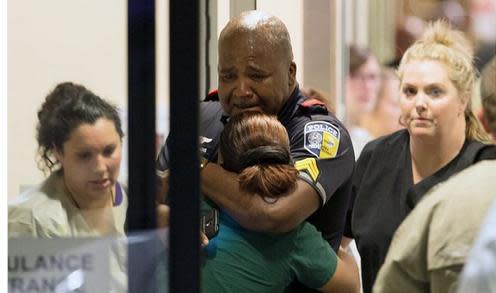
point(264, 29)
point(256, 68)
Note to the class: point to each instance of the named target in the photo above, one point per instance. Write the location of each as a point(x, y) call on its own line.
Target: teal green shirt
point(239, 260)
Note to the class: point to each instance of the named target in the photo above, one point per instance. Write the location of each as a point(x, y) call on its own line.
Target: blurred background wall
point(50, 42)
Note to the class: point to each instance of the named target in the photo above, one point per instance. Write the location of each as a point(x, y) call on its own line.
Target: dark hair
point(358, 57)
point(68, 106)
point(256, 146)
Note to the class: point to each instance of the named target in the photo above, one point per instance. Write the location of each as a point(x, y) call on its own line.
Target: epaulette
point(213, 95)
point(313, 106)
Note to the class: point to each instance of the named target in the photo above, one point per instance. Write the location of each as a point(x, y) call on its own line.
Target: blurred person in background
point(482, 24)
point(384, 119)
point(488, 98)
point(362, 89)
point(407, 31)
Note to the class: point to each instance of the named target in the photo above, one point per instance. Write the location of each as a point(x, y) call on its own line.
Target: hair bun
point(440, 32)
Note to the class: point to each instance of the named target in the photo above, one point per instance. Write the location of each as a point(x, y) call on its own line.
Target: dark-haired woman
point(256, 146)
point(79, 137)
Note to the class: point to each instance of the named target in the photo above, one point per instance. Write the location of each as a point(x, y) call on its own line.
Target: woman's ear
point(292, 74)
point(59, 156)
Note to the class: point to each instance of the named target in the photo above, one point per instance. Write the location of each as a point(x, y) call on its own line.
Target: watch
point(203, 162)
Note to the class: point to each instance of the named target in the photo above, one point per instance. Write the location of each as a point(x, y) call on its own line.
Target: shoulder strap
point(313, 106)
point(488, 152)
point(477, 151)
point(311, 102)
point(213, 95)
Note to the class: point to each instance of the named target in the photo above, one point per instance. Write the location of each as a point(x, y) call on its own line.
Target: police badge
point(322, 139)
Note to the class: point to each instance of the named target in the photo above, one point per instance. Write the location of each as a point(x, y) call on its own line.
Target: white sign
point(59, 265)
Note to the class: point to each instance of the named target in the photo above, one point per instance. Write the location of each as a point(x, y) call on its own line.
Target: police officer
point(257, 72)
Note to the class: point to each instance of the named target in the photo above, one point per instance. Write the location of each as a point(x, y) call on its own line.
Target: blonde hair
point(451, 48)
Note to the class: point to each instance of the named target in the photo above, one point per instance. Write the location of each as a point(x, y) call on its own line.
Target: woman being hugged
point(256, 146)
point(442, 137)
point(79, 137)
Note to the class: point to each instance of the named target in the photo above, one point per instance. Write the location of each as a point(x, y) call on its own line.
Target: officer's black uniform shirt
point(314, 135)
point(385, 194)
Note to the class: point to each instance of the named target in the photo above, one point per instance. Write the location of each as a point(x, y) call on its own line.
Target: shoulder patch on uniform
point(322, 139)
point(308, 165)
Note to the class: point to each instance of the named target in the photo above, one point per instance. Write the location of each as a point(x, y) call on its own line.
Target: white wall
point(223, 9)
point(51, 41)
point(291, 13)
point(162, 67)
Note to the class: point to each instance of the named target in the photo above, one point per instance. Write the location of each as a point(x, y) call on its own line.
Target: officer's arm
point(252, 211)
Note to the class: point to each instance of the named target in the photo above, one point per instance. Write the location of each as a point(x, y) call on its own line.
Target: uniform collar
point(290, 107)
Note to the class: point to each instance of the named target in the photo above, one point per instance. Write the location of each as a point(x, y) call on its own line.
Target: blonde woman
point(442, 137)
